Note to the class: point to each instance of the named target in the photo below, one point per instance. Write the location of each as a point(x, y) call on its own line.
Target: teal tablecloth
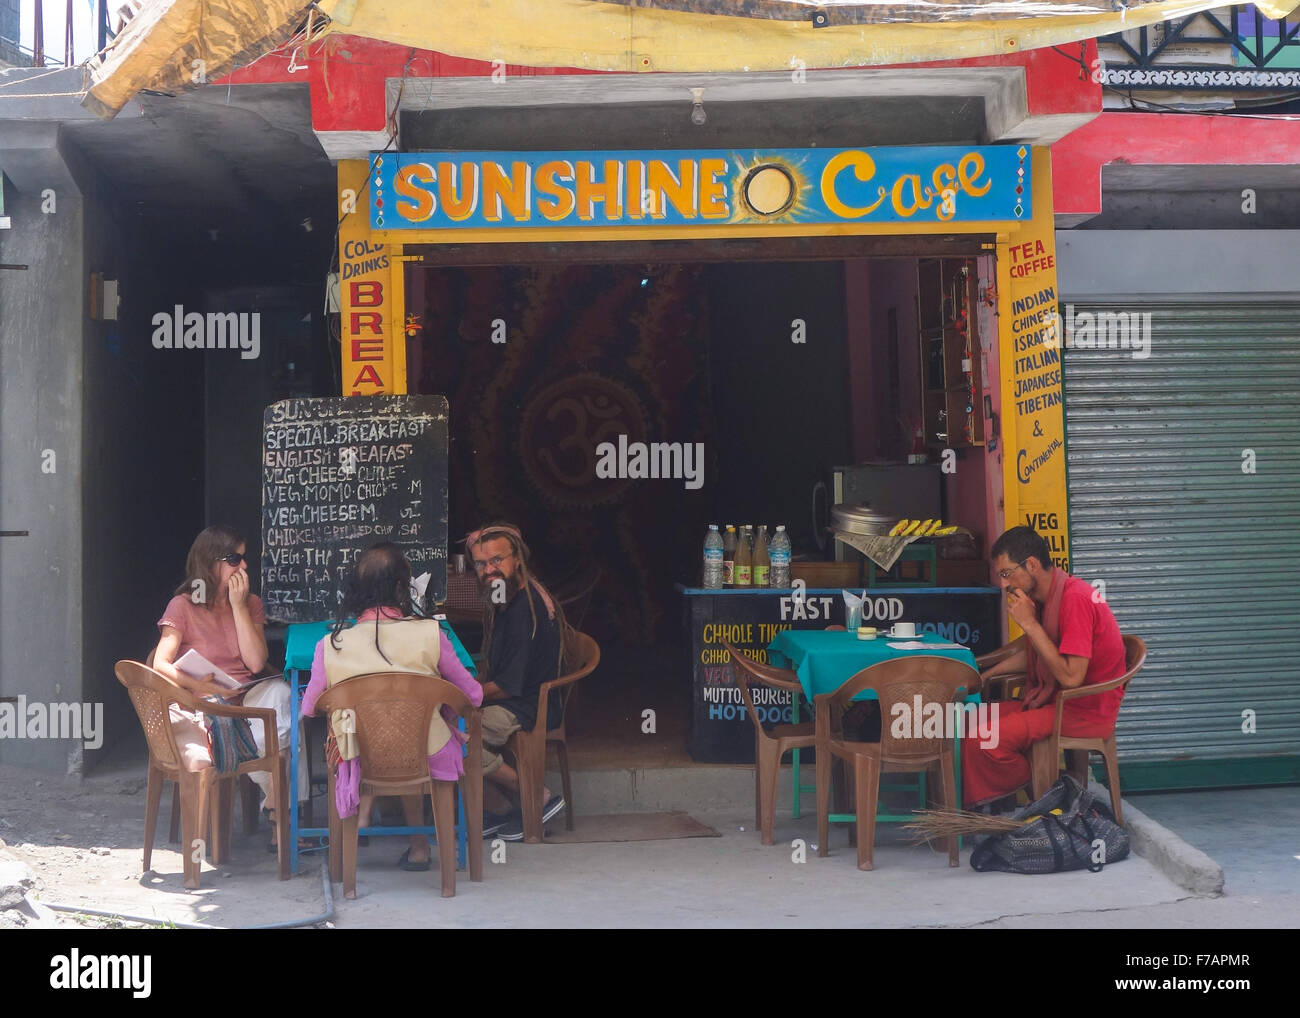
point(300, 645)
point(825, 659)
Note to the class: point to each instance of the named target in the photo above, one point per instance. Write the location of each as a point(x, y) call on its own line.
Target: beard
point(512, 582)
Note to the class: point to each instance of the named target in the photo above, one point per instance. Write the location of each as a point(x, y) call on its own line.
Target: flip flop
point(412, 867)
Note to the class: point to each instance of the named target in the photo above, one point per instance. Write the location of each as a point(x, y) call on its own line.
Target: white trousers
point(276, 695)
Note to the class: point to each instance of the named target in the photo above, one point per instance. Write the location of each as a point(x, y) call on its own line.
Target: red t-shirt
point(1088, 629)
point(212, 632)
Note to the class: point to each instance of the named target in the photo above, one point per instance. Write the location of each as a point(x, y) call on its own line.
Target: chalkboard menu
point(342, 473)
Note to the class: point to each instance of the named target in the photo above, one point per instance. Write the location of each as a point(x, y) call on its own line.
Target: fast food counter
point(750, 618)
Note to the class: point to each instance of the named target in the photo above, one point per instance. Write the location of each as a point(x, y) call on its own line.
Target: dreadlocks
point(529, 585)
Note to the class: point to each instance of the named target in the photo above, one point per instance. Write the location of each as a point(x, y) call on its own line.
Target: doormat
point(628, 827)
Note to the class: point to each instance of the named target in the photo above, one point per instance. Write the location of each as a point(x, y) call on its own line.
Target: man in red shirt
point(1071, 639)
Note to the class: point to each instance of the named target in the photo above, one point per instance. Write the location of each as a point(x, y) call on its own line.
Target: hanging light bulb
point(698, 116)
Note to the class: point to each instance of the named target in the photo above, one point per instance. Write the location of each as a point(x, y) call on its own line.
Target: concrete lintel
point(1250, 264)
point(628, 89)
point(351, 144)
point(1003, 91)
point(38, 155)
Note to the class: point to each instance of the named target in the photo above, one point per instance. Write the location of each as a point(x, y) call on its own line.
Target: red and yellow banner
point(371, 296)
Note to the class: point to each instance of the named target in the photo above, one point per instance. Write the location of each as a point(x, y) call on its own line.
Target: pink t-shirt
point(211, 631)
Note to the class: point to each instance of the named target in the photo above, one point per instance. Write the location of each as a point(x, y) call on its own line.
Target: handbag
point(1072, 829)
point(232, 743)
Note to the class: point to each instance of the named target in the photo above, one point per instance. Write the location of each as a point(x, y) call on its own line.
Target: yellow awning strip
point(614, 37)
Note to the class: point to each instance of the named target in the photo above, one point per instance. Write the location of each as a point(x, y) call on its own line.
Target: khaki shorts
point(498, 725)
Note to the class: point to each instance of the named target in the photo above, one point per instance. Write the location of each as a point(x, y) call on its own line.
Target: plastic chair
point(769, 747)
point(1045, 754)
point(151, 694)
point(1006, 685)
point(937, 680)
point(393, 712)
point(529, 748)
point(222, 805)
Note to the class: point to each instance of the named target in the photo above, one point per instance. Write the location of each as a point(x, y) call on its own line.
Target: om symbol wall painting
point(561, 426)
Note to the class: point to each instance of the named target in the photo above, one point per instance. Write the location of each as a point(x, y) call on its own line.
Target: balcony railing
point(1228, 50)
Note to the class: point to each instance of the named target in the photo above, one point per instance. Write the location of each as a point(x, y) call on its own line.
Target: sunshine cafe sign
point(540, 190)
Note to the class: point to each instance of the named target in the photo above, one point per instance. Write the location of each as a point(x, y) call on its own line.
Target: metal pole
point(38, 36)
point(67, 38)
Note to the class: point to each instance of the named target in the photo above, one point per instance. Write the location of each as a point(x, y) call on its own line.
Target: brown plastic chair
point(1008, 685)
point(222, 806)
point(1044, 755)
point(529, 748)
point(393, 711)
point(151, 693)
point(935, 679)
point(769, 746)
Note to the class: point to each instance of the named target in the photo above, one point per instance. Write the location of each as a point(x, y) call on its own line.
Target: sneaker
point(552, 806)
point(493, 822)
point(514, 829)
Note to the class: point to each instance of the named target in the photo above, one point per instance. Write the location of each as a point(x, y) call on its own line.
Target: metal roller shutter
point(1189, 543)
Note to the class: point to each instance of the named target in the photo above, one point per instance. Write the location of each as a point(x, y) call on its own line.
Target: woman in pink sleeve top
point(389, 637)
point(214, 613)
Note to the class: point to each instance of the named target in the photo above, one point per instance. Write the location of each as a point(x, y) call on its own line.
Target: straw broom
point(932, 824)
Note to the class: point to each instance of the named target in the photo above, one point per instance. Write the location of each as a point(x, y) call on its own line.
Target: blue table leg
point(291, 794)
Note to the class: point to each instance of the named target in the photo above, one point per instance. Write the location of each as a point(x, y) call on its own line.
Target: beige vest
point(412, 645)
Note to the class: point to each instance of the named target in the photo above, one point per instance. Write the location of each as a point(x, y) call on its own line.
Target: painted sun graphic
point(769, 189)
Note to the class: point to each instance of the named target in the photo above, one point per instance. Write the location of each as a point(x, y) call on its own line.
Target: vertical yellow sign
point(1033, 459)
point(371, 296)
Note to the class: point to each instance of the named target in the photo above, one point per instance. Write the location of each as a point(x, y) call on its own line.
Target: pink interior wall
point(893, 284)
point(872, 287)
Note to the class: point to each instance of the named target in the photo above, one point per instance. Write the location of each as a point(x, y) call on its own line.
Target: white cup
point(903, 629)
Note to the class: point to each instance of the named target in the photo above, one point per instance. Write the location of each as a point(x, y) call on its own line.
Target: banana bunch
point(921, 528)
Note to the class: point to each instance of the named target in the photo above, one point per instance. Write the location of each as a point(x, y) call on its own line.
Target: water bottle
point(713, 558)
point(779, 551)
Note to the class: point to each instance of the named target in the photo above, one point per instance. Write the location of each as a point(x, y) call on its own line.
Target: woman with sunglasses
point(213, 613)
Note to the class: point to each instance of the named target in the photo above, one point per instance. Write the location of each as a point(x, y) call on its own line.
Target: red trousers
point(990, 773)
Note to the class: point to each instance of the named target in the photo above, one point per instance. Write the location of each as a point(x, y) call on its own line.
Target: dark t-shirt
point(520, 662)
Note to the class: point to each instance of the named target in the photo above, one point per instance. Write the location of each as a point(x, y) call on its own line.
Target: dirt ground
point(82, 842)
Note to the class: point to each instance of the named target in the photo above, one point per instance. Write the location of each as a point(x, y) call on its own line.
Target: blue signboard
point(639, 189)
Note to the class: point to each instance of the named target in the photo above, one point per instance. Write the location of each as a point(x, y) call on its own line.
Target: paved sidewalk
point(83, 842)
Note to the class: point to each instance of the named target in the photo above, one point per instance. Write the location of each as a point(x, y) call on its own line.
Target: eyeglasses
point(1006, 574)
point(495, 561)
point(233, 559)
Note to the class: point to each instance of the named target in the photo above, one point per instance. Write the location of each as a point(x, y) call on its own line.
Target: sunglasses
point(233, 559)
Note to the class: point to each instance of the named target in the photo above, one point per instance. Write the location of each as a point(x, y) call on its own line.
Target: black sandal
point(413, 867)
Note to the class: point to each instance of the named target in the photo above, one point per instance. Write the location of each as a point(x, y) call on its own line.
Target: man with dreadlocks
point(523, 641)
